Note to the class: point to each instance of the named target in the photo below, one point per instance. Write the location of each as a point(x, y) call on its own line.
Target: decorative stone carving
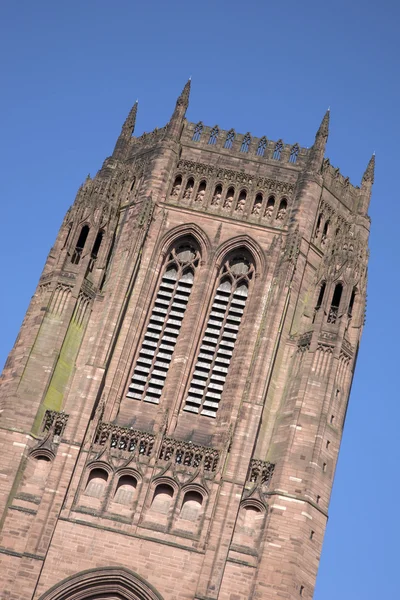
point(260, 472)
point(189, 455)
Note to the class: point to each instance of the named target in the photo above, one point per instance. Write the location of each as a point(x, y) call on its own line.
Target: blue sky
point(70, 72)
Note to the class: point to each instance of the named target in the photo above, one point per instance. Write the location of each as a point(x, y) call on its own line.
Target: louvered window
point(220, 336)
point(164, 325)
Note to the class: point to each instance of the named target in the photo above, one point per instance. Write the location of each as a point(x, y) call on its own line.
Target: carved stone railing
point(189, 455)
point(124, 439)
point(260, 472)
point(54, 422)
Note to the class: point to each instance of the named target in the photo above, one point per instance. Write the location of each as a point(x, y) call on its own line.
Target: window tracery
point(213, 136)
point(197, 132)
point(164, 324)
point(220, 335)
point(230, 138)
point(262, 146)
point(245, 143)
point(294, 153)
point(278, 150)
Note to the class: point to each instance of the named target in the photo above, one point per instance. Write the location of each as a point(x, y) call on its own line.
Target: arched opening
point(251, 517)
point(213, 136)
point(318, 227)
point(125, 490)
point(191, 506)
point(230, 138)
point(162, 498)
point(201, 192)
point(351, 304)
point(241, 201)
point(197, 132)
point(335, 304)
point(257, 205)
point(262, 145)
point(76, 257)
point(189, 188)
point(278, 150)
point(245, 143)
point(95, 249)
point(96, 483)
point(216, 199)
point(176, 188)
point(270, 207)
point(281, 214)
point(325, 233)
point(229, 198)
point(319, 299)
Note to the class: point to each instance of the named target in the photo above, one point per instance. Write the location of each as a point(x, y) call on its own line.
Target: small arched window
point(257, 205)
point(230, 138)
point(241, 203)
point(278, 150)
point(319, 299)
point(229, 198)
point(262, 145)
point(325, 233)
point(176, 188)
point(294, 153)
point(96, 483)
point(245, 143)
point(125, 491)
point(213, 136)
point(270, 207)
point(197, 132)
point(335, 304)
point(318, 227)
point(97, 244)
point(201, 192)
point(281, 214)
point(162, 498)
point(76, 257)
point(42, 466)
point(220, 335)
point(189, 189)
point(191, 506)
point(216, 199)
point(252, 515)
point(351, 304)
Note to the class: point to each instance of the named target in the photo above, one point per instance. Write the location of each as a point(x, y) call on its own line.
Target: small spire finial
point(183, 99)
point(370, 171)
point(324, 127)
point(130, 121)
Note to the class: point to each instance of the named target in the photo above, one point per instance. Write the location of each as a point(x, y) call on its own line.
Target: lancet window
point(213, 136)
point(245, 143)
point(278, 150)
point(220, 336)
point(335, 304)
point(294, 153)
point(164, 324)
point(197, 132)
point(80, 244)
point(262, 145)
point(230, 138)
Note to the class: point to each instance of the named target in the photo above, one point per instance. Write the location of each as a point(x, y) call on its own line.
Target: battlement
point(339, 185)
point(244, 145)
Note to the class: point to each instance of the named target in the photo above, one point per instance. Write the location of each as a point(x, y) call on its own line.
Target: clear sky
point(70, 72)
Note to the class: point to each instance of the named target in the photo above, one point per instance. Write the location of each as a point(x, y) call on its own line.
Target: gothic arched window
point(191, 506)
point(213, 136)
point(270, 207)
point(230, 138)
point(281, 214)
point(278, 150)
point(197, 132)
point(335, 304)
point(262, 145)
point(80, 244)
point(164, 324)
point(245, 143)
point(294, 153)
point(220, 335)
point(162, 498)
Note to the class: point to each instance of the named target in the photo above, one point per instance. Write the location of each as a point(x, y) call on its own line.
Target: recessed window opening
point(125, 490)
point(219, 337)
point(319, 223)
point(164, 324)
point(245, 143)
point(294, 153)
point(281, 214)
point(162, 498)
point(191, 506)
point(352, 300)
point(96, 482)
point(176, 188)
point(334, 309)
point(76, 257)
point(97, 244)
point(278, 150)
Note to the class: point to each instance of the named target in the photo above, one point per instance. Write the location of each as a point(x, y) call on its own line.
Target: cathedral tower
point(173, 406)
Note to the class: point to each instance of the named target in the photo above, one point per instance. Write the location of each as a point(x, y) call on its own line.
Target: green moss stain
point(53, 399)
